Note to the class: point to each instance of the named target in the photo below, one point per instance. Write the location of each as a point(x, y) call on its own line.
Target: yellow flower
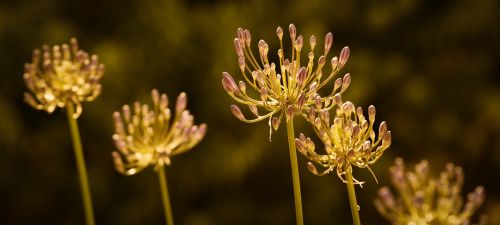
point(293, 88)
point(349, 141)
point(424, 200)
point(62, 75)
point(150, 137)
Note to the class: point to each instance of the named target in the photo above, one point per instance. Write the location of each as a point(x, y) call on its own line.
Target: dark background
point(430, 67)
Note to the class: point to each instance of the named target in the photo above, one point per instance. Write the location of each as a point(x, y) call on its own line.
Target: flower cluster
point(148, 136)
point(62, 75)
point(293, 88)
point(426, 200)
point(349, 141)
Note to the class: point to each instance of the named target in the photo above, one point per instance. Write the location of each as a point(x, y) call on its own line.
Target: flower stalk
point(165, 196)
point(80, 162)
point(295, 172)
point(352, 197)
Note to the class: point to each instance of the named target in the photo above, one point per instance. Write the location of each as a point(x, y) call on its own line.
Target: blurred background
point(430, 67)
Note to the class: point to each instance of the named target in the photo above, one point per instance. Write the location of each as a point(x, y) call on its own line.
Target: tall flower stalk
point(151, 136)
point(284, 89)
point(64, 76)
point(422, 199)
point(349, 141)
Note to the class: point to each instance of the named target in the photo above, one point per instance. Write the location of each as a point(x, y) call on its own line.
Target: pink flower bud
point(344, 55)
point(293, 31)
point(312, 42)
point(181, 103)
point(238, 48)
point(328, 42)
point(279, 32)
point(237, 112)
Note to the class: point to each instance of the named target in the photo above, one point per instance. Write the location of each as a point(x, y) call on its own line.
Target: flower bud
point(239, 33)
point(155, 96)
point(181, 103)
point(237, 112)
point(242, 86)
point(386, 141)
point(118, 162)
point(371, 113)
point(263, 94)
point(299, 43)
point(279, 32)
point(301, 76)
point(289, 113)
point(312, 168)
point(299, 144)
point(344, 55)
point(328, 42)
point(312, 114)
point(293, 31)
point(312, 42)
point(248, 37)
point(242, 63)
point(346, 81)
point(301, 101)
point(238, 48)
point(254, 110)
point(321, 61)
point(275, 121)
point(229, 83)
point(382, 130)
point(387, 197)
point(334, 63)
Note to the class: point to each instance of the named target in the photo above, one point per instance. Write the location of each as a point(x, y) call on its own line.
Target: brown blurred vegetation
point(430, 67)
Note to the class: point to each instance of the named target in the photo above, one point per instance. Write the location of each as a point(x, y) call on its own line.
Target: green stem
point(352, 197)
point(164, 196)
point(80, 163)
point(295, 172)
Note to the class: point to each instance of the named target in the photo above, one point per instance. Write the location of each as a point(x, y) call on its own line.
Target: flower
point(150, 137)
point(62, 75)
point(349, 141)
point(425, 200)
point(290, 92)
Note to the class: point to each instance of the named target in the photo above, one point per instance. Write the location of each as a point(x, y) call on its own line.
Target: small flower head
point(427, 200)
point(145, 136)
point(349, 139)
point(61, 75)
point(288, 87)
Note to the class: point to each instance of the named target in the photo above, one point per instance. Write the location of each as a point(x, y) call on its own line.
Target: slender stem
point(80, 163)
point(295, 172)
point(352, 197)
point(164, 196)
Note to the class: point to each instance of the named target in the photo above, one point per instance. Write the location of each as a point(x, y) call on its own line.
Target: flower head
point(61, 75)
point(425, 200)
point(288, 87)
point(147, 136)
point(349, 141)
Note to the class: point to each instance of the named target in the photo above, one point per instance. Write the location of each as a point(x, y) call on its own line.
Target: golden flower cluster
point(145, 136)
point(288, 87)
point(349, 141)
point(424, 200)
point(61, 75)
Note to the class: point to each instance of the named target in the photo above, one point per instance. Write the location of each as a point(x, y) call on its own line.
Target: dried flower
point(424, 200)
point(62, 75)
point(293, 91)
point(148, 136)
point(349, 141)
